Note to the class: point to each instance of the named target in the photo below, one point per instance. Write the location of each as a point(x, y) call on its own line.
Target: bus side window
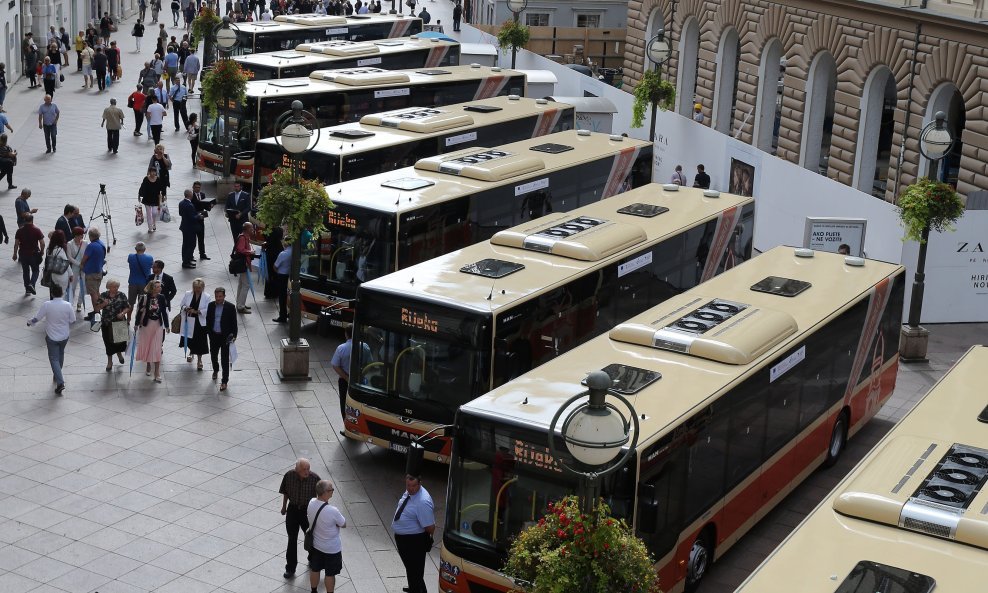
point(707, 460)
point(661, 502)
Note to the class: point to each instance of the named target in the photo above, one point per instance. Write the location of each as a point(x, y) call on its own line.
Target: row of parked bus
point(488, 257)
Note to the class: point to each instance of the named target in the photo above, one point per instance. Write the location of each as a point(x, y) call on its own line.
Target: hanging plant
point(567, 551)
point(513, 35)
point(227, 81)
point(651, 88)
point(202, 26)
point(929, 203)
point(296, 204)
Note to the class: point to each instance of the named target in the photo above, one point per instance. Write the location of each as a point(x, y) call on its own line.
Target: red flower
point(560, 533)
point(607, 546)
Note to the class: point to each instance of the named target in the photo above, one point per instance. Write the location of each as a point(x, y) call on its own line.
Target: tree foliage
point(513, 35)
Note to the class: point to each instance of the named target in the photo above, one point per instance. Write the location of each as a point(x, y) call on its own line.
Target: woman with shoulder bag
point(8, 160)
point(150, 196)
point(138, 33)
point(113, 308)
point(192, 331)
point(151, 321)
point(57, 263)
point(192, 132)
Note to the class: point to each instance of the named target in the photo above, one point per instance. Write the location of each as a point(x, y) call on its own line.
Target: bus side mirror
point(648, 509)
point(414, 459)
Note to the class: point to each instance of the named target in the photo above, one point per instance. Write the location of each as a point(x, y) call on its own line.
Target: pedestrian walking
point(142, 7)
point(136, 102)
point(100, 64)
point(48, 115)
point(178, 95)
point(298, 487)
point(49, 76)
point(274, 244)
point(341, 364)
point(413, 526)
point(191, 217)
point(155, 8)
point(63, 43)
point(22, 209)
point(192, 133)
point(176, 7)
point(281, 269)
point(151, 324)
point(113, 307)
point(4, 121)
point(190, 68)
point(678, 177)
point(93, 259)
point(193, 332)
point(29, 244)
point(58, 317)
point(171, 66)
point(8, 160)
point(77, 285)
point(162, 163)
point(3, 83)
point(55, 258)
point(31, 57)
point(221, 319)
point(87, 55)
point(138, 33)
point(150, 195)
point(242, 248)
point(64, 223)
point(80, 44)
point(147, 78)
point(155, 113)
point(113, 61)
point(238, 207)
point(457, 15)
point(327, 547)
point(139, 264)
point(113, 120)
point(4, 237)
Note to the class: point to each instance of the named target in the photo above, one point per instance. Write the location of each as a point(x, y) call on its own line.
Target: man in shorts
point(87, 54)
point(93, 259)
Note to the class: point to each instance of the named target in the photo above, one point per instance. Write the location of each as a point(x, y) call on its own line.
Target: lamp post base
point(913, 343)
point(294, 361)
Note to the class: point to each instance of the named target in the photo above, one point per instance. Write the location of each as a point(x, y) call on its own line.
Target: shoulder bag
point(308, 543)
point(238, 262)
point(177, 324)
point(56, 263)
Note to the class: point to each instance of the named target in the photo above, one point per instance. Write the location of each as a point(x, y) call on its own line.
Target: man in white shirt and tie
point(237, 209)
point(59, 317)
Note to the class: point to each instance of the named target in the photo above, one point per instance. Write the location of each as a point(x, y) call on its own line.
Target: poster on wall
point(836, 235)
point(742, 178)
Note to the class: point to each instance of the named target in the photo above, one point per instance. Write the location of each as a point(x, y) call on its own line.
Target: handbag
point(55, 264)
point(238, 262)
point(61, 78)
point(177, 324)
point(138, 215)
point(121, 332)
point(166, 216)
point(308, 543)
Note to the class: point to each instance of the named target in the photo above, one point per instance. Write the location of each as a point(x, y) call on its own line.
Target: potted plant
point(225, 82)
point(651, 89)
point(929, 204)
point(202, 30)
point(569, 552)
point(514, 36)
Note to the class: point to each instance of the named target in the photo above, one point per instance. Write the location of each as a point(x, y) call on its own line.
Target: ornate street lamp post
point(225, 38)
point(516, 7)
point(658, 52)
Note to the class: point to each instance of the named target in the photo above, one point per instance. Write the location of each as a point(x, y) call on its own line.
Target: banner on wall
point(835, 235)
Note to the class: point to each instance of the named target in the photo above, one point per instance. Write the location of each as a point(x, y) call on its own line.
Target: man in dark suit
point(168, 289)
point(221, 323)
point(203, 206)
point(64, 222)
point(237, 209)
point(189, 225)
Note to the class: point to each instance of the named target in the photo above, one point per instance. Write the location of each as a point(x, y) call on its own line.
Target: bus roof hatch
point(340, 48)
point(423, 120)
point(361, 76)
point(311, 20)
point(715, 329)
point(483, 164)
point(581, 238)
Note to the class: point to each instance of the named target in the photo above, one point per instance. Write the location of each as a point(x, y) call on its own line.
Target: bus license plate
point(398, 448)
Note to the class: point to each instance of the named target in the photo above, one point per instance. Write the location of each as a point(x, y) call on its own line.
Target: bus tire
point(838, 440)
point(701, 557)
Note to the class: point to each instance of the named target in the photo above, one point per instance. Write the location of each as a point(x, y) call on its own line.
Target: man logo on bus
point(417, 320)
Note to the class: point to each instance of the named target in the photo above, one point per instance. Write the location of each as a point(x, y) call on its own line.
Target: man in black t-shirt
point(702, 180)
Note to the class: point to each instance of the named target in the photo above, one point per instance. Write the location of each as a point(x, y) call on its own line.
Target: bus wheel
point(838, 439)
point(701, 556)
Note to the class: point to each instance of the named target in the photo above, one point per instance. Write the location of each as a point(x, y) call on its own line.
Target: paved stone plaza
point(124, 485)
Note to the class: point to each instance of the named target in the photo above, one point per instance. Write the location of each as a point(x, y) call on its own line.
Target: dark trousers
point(412, 550)
point(8, 172)
point(156, 133)
point(201, 236)
point(78, 62)
point(113, 140)
point(281, 291)
point(344, 385)
point(195, 148)
point(30, 267)
point(178, 109)
point(138, 119)
point(50, 133)
point(219, 346)
point(188, 246)
point(295, 519)
point(49, 86)
point(101, 79)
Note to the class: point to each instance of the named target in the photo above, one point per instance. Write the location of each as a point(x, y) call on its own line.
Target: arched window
point(769, 106)
point(689, 48)
point(726, 92)
point(874, 150)
point(948, 99)
point(818, 116)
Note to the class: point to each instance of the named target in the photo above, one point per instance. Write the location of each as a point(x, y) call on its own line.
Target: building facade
point(843, 87)
point(607, 14)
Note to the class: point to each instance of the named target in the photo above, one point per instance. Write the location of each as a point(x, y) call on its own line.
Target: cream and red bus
point(742, 386)
point(289, 30)
point(912, 516)
point(500, 308)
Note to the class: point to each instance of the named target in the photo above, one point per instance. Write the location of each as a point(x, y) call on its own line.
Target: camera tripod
point(102, 205)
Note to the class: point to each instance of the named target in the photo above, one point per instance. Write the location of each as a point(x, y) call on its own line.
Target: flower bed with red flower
point(569, 552)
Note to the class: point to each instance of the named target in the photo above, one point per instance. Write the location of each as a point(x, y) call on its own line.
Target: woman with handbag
point(322, 539)
point(57, 266)
point(162, 163)
point(8, 160)
point(151, 323)
point(113, 308)
point(192, 331)
point(150, 196)
point(75, 249)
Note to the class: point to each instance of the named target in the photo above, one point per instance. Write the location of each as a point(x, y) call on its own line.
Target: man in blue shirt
point(48, 121)
point(178, 94)
point(93, 259)
point(282, 268)
point(139, 264)
point(413, 526)
point(171, 65)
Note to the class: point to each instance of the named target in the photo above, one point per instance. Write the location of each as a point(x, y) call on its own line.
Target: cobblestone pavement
point(124, 485)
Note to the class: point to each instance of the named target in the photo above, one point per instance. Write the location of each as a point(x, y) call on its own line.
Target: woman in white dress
point(193, 331)
point(75, 250)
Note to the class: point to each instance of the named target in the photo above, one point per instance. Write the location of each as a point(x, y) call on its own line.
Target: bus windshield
point(502, 478)
point(426, 359)
point(355, 247)
point(213, 131)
